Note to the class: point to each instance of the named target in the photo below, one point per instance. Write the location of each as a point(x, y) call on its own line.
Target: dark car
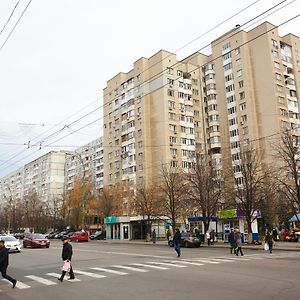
point(35, 240)
point(98, 235)
point(51, 235)
point(19, 235)
point(188, 240)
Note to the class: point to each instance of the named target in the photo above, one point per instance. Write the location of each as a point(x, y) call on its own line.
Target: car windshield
point(38, 236)
point(186, 235)
point(8, 238)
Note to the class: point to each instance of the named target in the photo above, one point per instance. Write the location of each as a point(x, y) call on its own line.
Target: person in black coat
point(177, 242)
point(66, 255)
point(4, 264)
point(231, 240)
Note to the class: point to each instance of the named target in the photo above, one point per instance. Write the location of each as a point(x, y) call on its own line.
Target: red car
point(79, 236)
point(35, 240)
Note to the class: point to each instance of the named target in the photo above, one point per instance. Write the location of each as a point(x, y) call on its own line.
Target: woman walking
point(269, 240)
point(238, 241)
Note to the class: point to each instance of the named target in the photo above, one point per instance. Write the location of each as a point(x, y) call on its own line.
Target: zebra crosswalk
point(102, 272)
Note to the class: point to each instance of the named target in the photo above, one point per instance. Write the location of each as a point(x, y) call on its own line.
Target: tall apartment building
point(45, 176)
point(152, 115)
point(163, 110)
point(86, 161)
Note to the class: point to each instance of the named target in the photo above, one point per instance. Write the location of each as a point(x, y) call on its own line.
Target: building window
point(238, 61)
point(276, 65)
point(281, 100)
point(179, 73)
point(170, 81)
point(278, 76)
point(239, 73)
point(241, 84)
point(230, 88)
point(230, 99)
point(275, 53)
point(227, 66)
point(279, 88)
point(170, 70)
point(171, 93)
point(237, 51)
point(227, 55)
point(226, 46)
point(229, 77)
point(243, 106)
point(242, 95)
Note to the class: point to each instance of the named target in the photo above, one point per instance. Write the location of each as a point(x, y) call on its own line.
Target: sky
point(60, 55)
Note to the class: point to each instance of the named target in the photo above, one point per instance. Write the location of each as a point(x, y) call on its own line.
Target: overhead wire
point(144, 94)
point(100, 107)
point(10, 16)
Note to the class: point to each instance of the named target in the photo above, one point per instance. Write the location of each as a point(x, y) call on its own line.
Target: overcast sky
point(59, 57)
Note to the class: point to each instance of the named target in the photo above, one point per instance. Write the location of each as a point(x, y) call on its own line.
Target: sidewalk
point(282, 246)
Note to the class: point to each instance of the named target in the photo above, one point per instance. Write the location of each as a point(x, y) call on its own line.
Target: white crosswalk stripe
point(186, 262)
point(41, 280)
point(165, 264)
point(206, 261)
point(238, 258)
point(57, 275)
point(130, 268)
point(20, 285)
point(150, 266)
point(110, 271)
point(221, 260)
point(94, 275)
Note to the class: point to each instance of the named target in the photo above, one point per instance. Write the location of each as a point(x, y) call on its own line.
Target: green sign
point(227, 214)
point(110, 220)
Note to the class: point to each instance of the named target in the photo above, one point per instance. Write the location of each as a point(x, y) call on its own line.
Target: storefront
point(128, 228)
point(235, 218)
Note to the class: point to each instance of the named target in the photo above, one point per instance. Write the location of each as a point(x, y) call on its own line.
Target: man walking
point(66, 255)
point(177, 242)
point(153, 236)
point(4, 264)
point(231, 240)
point(270, 240)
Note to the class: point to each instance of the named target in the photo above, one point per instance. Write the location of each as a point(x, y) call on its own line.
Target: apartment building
point(163, 111)
point(44, 175)
point(153, 115)
point(86, 161)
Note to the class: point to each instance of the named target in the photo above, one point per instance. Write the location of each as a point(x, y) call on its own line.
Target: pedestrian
point(66, 255)
point(212, 236)
point(238, 241)
point(154, 236)
point(270, 241)
point(4, 264)
point(231, 240)
point(168, 234)
point(274, 234)
point(208, 238)
point(177, 241)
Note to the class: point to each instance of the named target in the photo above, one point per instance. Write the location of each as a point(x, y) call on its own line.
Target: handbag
point(66, 266)
point(266, 246)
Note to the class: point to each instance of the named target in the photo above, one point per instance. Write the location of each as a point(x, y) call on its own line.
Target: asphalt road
point(131, 272)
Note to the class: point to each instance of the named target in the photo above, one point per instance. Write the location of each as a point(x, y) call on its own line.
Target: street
point(128, 271)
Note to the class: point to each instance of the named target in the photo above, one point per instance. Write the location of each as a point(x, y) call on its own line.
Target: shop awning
point(295, 218)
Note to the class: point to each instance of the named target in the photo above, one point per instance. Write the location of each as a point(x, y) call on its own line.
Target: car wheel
point(186, 244)
point(48, 246)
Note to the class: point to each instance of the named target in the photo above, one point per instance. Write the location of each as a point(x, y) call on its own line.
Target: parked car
point(19, 235)
point(11, 243)
point(188, 240)
point(35, 240)
point(79, 236)
point(98, 235)
point(51, 235)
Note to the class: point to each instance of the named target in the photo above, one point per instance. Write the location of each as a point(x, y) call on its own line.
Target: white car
point(11, 243)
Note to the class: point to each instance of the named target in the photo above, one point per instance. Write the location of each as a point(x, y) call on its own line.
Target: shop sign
point(110, 220)
point(227, 214)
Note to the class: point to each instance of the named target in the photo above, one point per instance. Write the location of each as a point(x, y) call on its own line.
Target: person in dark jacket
point(270, 240)
point(177, 242)
point(154, 236)
point(4, 264)
point(231, 240)
point(66, 255)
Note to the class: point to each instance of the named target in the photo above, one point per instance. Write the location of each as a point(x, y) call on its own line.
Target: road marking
point(57, 275)
point(221, 260)
point(94, 275)
point(165, 264)
point(206, 261)
point(110, 271)
point(130, 268)
point(237, 258)
point(41, 280)
point(20, 285)
point(150, 266)
point(186, 262)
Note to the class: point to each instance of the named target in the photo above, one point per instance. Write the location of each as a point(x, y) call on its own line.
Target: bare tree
point(288, 175)
point(249, 191)
point(205, 188)
point(173, 193)
point(145, 203)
